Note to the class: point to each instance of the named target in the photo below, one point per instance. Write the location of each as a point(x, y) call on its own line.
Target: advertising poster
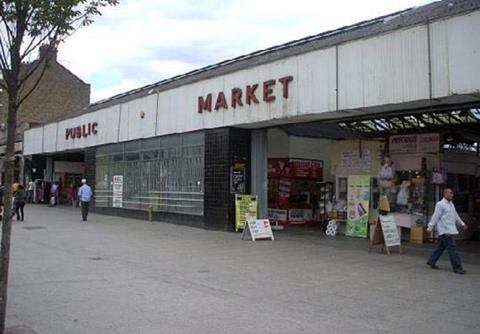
point(390, 231)
point(245, 209)
point(237, 180)
point(118, 191)
point(358, 195)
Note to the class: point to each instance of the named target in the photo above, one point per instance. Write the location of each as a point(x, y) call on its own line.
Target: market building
point(377, 116)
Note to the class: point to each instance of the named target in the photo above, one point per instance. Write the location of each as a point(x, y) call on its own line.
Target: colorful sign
point(298, 168)
point(246, 207)
point(358, 196)
point(424, 143)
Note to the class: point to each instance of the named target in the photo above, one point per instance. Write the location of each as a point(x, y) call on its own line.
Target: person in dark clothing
point(20, 198)
point(1, 202)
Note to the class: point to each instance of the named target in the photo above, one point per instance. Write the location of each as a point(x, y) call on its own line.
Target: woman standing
point(20, 198)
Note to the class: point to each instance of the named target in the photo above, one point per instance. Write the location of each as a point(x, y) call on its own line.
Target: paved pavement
point(116, 275)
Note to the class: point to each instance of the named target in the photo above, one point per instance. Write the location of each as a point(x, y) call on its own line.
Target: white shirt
point(445, 218)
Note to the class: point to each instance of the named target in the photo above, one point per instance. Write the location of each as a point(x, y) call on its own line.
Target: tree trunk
point(11, 122)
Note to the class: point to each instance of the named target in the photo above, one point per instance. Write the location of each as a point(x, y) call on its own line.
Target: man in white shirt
point(445, 219)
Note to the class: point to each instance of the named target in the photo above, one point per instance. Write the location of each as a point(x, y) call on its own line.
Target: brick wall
point(59, 93)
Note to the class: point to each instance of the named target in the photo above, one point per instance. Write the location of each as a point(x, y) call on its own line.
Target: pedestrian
point(445, 218)
point(1, 202)
point(70, 191)
point(54, 193)
point(31, 187)
point(15, 186)
point(20, 198)
point(84, 194)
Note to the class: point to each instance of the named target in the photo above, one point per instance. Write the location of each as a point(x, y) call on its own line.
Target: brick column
point(222, 148)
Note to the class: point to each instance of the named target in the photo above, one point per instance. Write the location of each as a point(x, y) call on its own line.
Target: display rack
point(325, 196)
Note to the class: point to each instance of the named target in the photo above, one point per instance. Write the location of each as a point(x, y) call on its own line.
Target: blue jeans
point(447, 241)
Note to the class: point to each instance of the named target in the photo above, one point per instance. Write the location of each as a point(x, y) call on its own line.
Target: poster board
point(358, 204)
point(117, 191)
point(246, 207)
point(385, 233)
point(390, 231)
point(258, 229)
point(237, 179)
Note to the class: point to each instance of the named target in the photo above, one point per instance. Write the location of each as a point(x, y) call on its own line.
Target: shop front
point(307, 127)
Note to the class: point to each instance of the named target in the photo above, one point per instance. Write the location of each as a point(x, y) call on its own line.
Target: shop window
point(133, 146)
point(151, 144)
point(150, 155)
point(171, 141)
point(117, 157)
point(167, 178)
point(132, 156)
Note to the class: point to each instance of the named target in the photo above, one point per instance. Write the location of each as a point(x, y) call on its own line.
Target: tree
point(25, 27)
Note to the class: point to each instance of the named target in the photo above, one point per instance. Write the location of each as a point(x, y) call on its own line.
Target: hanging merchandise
point(439, 176)
point(383, 204)
point(403, 194)
point(332, 228)
point(387, 173)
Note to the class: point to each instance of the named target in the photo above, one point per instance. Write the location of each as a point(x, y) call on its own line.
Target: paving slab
point(117, 275)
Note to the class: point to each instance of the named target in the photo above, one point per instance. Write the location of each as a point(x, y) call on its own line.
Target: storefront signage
point(358, 202)
point(81, 131)
point(117, 191)
point(237, 97)
point(277, 215)
point(237, 179)
point(390, 231)
point(309, 169)
point(258, 229)
point(246, 207)
point(356, 161)
point(423, 143)
point(299, 215)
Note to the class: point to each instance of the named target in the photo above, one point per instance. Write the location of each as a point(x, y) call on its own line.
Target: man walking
point(445, 219)
point(84, 194)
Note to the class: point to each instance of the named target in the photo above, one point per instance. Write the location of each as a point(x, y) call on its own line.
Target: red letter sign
point(267, 91)
point(251, 94)
point(204, 104)
point(236, 97)
point(285, 81)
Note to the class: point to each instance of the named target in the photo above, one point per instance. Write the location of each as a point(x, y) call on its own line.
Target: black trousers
point(447, 241)
point(19, 210)
point(85, 210)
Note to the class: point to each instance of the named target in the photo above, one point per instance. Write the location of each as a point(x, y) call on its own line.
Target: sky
point(140, 42)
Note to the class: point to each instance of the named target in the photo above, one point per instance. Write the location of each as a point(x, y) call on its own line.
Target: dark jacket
point(20, 196)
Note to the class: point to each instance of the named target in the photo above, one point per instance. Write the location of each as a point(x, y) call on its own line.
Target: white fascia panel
point(50, 137)
point(33, 141)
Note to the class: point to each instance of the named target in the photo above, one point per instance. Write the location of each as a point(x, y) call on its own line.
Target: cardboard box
point(416, 234)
